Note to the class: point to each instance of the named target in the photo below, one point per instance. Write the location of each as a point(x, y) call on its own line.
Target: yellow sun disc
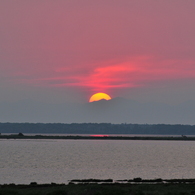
point(99, 96)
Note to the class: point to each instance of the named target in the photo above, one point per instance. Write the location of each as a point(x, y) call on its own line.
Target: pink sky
point(137, 49)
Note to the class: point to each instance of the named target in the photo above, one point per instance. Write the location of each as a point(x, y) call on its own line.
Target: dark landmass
point(96, 137)
point(137, 186)
point(97, 128)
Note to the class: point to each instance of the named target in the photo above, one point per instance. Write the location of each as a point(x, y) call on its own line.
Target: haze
point(55, 54)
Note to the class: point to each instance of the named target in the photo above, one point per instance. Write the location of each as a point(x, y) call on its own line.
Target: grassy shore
point(158, 188)
point(97, 137)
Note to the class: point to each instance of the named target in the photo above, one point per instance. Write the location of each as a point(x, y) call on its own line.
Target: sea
point(59, 161)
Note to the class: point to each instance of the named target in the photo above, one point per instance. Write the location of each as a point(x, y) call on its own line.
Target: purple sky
point(66, 50)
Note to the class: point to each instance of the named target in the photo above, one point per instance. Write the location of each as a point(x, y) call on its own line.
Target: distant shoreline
point(97, 128)
point(97, 137)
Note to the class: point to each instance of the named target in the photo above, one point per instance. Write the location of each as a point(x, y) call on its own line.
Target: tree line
point(97, 128)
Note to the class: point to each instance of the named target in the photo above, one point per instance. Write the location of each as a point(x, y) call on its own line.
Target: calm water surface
point(46, 161)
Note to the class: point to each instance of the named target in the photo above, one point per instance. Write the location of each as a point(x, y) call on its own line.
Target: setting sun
point(99, 96)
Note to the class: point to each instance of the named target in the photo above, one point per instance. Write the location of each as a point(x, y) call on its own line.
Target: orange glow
point(99, 96)
point(99, 135)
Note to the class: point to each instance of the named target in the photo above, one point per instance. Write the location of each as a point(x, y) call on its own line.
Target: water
point(46, 161)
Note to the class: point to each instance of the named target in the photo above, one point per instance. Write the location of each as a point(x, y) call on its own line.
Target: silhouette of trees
point(97, 128)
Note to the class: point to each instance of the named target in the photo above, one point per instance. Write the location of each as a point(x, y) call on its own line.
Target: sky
point(64, 51)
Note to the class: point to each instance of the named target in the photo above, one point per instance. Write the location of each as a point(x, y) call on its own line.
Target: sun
point(99, 96)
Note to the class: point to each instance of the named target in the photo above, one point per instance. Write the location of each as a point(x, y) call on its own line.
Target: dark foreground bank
point(99, 189)
point(107, 187)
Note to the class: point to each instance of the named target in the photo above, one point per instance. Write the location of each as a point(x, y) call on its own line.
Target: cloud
point(137, 72)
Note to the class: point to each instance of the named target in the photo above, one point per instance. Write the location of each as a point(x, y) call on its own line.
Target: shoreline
point(110, 181)
point(97, 137)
